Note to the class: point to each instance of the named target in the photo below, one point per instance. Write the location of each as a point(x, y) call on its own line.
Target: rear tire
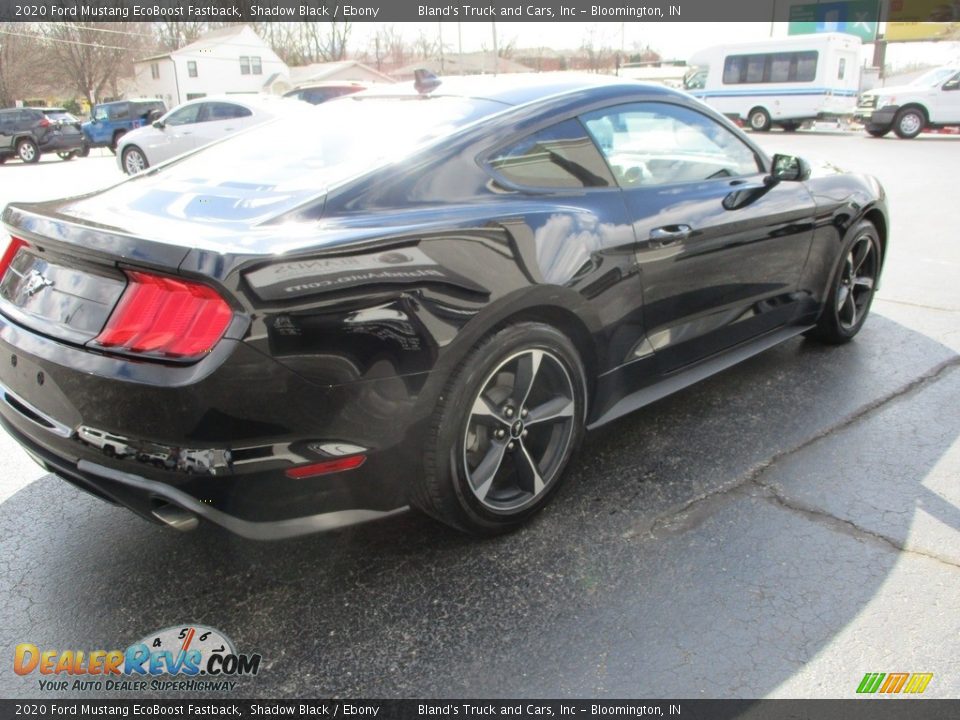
point(66, 155)
point(909, 122)
point(503, 431)
point(115, 141)
point(877, 132)
point(790, 127)
point(759, 120)
point(83, 151)
point(28, 151)
point(853, 288)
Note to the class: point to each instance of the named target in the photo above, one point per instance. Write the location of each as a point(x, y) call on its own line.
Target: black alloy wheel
point(504, 430)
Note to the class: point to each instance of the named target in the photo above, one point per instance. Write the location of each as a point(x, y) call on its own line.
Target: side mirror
point(953, 84)
point(154, 115)
point(159, 124)
point(789, 168)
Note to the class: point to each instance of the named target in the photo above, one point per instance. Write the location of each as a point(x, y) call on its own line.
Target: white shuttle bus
point(779, 82)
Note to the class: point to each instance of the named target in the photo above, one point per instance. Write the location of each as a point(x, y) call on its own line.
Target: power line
point(61, 40)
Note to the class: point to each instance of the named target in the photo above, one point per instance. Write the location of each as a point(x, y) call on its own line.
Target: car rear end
point(137, 384)
point(58, 131)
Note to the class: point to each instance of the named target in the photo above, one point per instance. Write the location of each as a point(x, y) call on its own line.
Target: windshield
point(695, 79)
point(934, 77)
point(60, 116)
point(99, 113)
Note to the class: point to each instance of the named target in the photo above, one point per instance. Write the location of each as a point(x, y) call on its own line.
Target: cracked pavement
point(775, 531)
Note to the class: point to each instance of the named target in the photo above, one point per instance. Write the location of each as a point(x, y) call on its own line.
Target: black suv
point(26, 133)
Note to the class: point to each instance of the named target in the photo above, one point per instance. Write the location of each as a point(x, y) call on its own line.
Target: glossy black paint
point(353, 307)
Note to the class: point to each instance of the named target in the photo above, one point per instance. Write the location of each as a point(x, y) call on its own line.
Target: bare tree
point(89, 57)
point(21, 57)
point(174, 34)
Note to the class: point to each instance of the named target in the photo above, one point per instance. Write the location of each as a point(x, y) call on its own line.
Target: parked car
point(317, 93)
point(425, 302)
point(27, 133)
point(192, 125)
point(931, 101)
point(111, 121)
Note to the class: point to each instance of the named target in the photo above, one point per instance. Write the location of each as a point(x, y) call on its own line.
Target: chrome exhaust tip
point(176, 517)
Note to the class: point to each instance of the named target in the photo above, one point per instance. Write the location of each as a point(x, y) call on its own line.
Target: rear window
point(314, 146)
point(60, 116)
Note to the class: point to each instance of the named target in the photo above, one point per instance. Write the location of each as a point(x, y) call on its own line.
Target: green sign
point(857, 17)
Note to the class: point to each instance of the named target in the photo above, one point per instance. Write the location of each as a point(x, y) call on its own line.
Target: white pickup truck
point(931, 101)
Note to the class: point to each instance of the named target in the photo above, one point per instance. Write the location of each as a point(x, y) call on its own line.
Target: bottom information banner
point(853, 709)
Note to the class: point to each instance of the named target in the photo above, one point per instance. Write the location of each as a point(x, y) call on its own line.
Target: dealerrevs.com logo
point(186, 652)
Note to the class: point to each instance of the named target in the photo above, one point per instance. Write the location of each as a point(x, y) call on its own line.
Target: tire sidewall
point(28, 143)
point(474, 373)
point(904, 113)
point(759, 112)
point(128, 151)
point(863, 228)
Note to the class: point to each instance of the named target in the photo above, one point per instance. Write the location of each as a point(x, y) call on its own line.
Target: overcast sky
point(671, 40)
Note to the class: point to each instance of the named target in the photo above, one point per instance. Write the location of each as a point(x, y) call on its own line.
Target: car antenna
point(425, 81)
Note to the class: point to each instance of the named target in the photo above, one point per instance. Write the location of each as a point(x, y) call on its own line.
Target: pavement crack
point(754, 473)
point(917, 305)
point(847, 527)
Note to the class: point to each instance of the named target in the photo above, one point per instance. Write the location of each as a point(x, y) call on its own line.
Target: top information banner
point(397, 10)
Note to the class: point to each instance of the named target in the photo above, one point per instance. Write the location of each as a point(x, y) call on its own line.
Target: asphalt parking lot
point(776, 531)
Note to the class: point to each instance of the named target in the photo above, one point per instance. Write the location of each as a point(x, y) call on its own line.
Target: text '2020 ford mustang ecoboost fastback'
point(421, 296)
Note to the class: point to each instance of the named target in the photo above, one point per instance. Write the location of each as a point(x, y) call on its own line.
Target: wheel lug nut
point(508, 412)
point(511, 445)
point(501, 432)
point(524, 412)
point(524, 433)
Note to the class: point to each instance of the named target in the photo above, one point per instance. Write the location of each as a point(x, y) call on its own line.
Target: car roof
point(517, 88)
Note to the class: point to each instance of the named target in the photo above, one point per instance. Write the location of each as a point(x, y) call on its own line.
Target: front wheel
point(877, 132)
point(84, 151)
point(504, 430)
point(66, 155)
point(909, 123)
point(134, 161)
point(853, 288)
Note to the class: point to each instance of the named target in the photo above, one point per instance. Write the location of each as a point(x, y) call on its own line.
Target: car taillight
point(45, 122)
point(9, 254)
point(163, 317)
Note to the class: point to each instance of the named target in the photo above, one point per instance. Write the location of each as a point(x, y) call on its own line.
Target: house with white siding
point(232, 60)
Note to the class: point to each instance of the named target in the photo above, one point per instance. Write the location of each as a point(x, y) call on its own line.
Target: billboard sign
point(856, 17)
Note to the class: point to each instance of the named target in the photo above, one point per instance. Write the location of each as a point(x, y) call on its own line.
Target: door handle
point(669, 234)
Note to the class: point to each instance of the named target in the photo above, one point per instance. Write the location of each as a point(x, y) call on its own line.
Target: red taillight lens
point(45, 122)
point(165, 318)
point(324, 468)
point(9, 254)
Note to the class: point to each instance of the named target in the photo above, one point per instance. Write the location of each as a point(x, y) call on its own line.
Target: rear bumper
point(213, 439)
point(62, 143)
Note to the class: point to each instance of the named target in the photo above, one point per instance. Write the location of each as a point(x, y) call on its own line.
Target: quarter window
point(648, 144)
point(772, 68)
point(560, 156)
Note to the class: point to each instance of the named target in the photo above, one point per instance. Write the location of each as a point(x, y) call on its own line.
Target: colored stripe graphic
point(870, 682)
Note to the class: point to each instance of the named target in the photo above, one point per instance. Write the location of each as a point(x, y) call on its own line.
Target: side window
point(121, 111)
point(841, 68)
point(185, 115)
point(560, 156)
point(650, 144)
point(224, 111)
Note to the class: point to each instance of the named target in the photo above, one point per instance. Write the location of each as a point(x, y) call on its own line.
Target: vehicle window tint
point(841, 68)
point(185, 115)
point(561, 156)
point(120, 112)
point(100, 112)
point(771, 68)
point(224, 111)
point(650, 144)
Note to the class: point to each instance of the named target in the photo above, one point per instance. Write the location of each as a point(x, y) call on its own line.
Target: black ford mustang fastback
point(420, 296)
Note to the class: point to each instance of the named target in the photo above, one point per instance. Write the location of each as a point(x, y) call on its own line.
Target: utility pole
point(496, 52)
point(440, 39)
